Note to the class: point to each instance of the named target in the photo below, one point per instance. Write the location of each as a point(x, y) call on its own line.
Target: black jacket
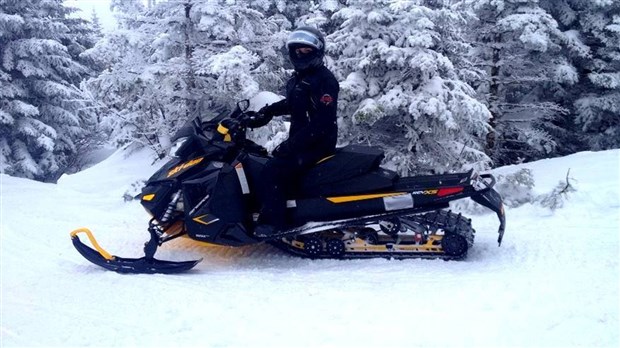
point(312, 101)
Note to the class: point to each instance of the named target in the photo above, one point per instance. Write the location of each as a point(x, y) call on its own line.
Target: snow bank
point(554, 281)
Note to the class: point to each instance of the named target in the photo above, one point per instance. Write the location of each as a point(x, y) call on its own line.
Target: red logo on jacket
point(326, 99)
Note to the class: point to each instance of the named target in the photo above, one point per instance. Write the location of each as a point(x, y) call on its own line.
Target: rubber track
point(435, 220)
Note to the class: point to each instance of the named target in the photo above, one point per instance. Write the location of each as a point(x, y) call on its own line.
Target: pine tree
point(42, 114)
point(519, 44)
point(179, 60)
point(400, 89)
point(592, 30)
point(96, 23)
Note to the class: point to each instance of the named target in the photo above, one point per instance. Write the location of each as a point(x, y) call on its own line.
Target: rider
point(311, 101)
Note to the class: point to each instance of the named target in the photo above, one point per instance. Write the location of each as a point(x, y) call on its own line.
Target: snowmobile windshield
point(187, 130)
point(176, 146)
point(306, 38)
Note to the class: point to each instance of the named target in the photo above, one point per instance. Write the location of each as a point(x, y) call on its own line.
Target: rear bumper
point(488, 197)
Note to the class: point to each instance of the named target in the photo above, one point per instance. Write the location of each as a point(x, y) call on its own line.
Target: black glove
point(258, 119)
point(253, 117)
point(266, 111)
point(231, 124)
point(282, 150)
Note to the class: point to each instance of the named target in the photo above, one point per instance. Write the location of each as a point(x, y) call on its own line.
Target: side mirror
point(243, 105)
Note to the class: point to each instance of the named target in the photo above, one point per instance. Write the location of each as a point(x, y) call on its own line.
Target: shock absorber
point(171, 206)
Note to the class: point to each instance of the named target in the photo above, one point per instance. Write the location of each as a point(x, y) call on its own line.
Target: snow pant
point(278, 181)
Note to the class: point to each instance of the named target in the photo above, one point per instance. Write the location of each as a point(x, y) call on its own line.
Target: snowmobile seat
point(353, 169)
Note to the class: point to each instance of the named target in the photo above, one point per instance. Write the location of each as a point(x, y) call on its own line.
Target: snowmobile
point(346, 206)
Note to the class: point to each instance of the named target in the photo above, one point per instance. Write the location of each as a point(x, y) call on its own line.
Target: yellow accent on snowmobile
point(145, 264)
point(184, 166)
point(325, 159)
point(93, 241)
point(148, 197)
point(199, 220)
point(224, 131)
point(221, 129)
point(345, 199)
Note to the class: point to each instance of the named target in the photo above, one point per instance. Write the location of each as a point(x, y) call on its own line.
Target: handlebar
point(482, 182)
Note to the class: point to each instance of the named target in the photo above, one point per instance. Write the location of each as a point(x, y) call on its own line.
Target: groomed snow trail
point(553, 282)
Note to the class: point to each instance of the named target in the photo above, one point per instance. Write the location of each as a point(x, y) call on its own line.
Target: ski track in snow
point(553, 282)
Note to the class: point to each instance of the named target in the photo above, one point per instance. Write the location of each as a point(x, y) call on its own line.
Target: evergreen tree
point(42, 113)
point(519, 44)
point(128, 13)
point(592, 31)
point(400, 89)
point(179, 60)
point(96, 22)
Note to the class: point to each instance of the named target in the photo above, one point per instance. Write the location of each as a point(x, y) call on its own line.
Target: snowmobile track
point(441, 220)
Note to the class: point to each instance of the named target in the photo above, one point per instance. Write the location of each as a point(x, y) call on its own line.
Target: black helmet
point(306, 37)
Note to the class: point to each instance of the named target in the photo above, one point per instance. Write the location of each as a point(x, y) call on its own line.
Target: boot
point(265, 230)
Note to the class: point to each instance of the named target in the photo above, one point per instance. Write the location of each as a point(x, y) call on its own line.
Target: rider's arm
point(268, 112)
point(277, 109)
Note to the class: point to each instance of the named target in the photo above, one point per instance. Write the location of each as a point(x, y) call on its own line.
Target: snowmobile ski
point(145, 264)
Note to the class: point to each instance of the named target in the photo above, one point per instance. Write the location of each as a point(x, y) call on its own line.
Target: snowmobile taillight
point(446, 191)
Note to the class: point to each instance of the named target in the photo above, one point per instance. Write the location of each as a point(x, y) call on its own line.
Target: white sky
point(101, 7)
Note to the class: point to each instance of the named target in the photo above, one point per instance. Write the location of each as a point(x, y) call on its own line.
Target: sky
point(101, 7)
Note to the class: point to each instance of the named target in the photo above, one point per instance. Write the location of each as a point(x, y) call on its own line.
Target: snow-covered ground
point(553, 282)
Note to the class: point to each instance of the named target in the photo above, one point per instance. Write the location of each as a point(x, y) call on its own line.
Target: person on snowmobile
point(311, 101)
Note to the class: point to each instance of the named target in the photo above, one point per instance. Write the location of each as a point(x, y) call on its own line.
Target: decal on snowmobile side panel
point(200, 219)
point(243, 180)
point(346, 199)
point(183, 166)
point(398, 202)
point(425, 192)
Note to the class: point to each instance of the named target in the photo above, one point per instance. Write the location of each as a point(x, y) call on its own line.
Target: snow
point(553, 282)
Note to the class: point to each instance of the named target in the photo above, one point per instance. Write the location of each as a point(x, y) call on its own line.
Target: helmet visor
point(306, 38)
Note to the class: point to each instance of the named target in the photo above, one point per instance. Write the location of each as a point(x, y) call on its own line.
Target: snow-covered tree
point(128, 13)
point(96, 22)
point(592, 31)
point(400, 90)
point(183, 59)
point(238, 49)
point(43, 117)
point(519, 44)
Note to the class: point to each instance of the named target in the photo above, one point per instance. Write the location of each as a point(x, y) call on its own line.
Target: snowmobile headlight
point(176, 146)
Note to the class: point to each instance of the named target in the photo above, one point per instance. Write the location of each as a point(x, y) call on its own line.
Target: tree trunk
point(494, 90)
point(190, 103)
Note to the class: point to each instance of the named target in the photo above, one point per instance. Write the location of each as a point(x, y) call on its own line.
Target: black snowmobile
point(347, 206)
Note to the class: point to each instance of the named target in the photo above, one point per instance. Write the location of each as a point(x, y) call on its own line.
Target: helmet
point(306, 37)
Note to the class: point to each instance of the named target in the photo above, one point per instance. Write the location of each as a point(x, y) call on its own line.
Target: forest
point(440, 85)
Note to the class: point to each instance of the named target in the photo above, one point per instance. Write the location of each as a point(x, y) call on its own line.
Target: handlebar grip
point(491, 177)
